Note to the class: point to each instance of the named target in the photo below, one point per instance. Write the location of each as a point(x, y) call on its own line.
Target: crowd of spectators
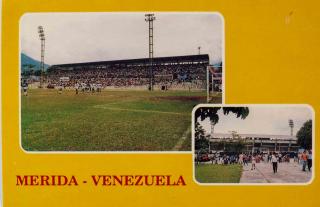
point(244, 158)
point(171, 76)
point(305, 159)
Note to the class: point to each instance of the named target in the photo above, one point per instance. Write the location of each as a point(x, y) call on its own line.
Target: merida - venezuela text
point(101, 180)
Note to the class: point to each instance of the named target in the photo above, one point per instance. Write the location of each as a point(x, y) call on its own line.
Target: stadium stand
point(178, 72)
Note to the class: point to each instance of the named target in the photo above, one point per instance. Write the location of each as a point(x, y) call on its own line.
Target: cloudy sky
point(83, 37)
point(262, 120)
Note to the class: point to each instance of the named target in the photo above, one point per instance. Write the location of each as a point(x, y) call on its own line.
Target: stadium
point(256, 142)
point(125, 104)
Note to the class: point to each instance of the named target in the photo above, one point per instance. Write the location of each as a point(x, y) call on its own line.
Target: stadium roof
point(157, 60)
point(243, 136)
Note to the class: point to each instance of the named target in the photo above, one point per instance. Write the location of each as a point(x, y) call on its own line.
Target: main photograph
point(117, 81)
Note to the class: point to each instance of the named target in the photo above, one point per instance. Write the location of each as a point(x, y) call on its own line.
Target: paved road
point(287, 173)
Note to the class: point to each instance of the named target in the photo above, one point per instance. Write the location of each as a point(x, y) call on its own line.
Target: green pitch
point(107, 121)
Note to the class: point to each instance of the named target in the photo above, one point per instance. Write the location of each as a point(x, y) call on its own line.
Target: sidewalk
point(287, 173)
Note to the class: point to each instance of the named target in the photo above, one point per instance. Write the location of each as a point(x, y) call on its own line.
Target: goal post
point(214, 81)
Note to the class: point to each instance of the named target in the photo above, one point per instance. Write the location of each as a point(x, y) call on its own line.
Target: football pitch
point(108, 120)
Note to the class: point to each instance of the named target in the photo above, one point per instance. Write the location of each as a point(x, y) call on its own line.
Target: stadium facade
point(256, 142)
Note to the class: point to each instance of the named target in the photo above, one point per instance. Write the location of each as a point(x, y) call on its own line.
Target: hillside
point(28, 62)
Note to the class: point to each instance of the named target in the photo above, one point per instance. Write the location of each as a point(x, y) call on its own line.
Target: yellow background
point(267, 61)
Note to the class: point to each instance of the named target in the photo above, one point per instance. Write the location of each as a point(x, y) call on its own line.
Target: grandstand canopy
point(256, 136)
point(188, 59)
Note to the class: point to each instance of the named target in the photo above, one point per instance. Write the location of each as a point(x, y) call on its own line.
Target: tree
point(28, 69)
point(38, 73)
point(304, 135)
point(201, 140)
point(212, 113)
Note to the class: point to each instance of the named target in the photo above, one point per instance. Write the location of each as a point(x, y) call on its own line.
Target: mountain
point(28, 62)
point(218, 64)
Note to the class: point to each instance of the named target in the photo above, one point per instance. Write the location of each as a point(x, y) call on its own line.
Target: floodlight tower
point(150, 18)
point(42, 39)
point(199, 50)
point(291, 125)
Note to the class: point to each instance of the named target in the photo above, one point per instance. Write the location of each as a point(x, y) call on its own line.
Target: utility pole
point(42, 39)
point(150, 18)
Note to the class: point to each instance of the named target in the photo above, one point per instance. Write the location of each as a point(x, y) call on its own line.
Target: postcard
point(159, 103)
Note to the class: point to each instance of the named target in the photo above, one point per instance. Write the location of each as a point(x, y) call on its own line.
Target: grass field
point(107, 121)
point(207, 173)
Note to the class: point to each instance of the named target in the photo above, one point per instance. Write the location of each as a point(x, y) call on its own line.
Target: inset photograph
point(254, 144)
point(117, 81)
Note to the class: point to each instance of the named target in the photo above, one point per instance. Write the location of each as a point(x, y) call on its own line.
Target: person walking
point(309, 161)
point(245, 159)
point(253, 162)
point(304, 158)
point(240, 160)
point(269, 157)
point(274, 162)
